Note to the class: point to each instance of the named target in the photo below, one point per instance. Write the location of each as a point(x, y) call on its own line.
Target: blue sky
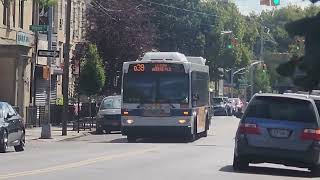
point(247, 6)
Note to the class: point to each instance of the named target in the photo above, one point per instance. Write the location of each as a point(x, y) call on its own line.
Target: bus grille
point(156, 113)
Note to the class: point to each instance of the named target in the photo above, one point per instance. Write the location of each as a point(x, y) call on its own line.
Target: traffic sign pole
point(46, 127)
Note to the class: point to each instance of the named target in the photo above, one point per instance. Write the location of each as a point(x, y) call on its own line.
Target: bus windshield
point(143, 88)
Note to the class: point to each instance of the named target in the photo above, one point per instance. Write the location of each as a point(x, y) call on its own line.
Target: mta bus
point(165, 94)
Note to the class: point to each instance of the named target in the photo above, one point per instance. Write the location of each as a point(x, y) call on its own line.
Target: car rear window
point(281, 108)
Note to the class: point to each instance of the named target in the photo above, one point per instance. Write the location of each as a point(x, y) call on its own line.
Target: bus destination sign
point(156, 67)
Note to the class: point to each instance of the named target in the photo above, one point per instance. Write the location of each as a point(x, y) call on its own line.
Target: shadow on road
point(152, 140)
point(268, 171)
point(113, 132)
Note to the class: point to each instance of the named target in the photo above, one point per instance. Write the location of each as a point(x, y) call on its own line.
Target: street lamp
point(232, 76)
point(251, 75)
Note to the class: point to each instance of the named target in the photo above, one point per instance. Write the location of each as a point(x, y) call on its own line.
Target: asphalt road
point(111, 157)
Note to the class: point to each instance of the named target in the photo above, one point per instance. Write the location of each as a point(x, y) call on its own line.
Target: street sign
point(36, 28)
point(243, 86)
point(47, 53)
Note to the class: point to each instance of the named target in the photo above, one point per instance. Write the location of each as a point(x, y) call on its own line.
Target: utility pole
point(251, 80)
point(261, 42)
point(232, 74)
point(35, 55)
point(65, 80)
point(46, 126)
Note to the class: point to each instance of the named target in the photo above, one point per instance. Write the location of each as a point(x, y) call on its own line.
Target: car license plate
point(280, 133)
point(115, 123)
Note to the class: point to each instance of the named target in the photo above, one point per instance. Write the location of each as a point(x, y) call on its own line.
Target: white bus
point(165, 94)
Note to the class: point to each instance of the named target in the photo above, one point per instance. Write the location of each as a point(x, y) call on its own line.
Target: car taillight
point(248, 128)
point(311, 134)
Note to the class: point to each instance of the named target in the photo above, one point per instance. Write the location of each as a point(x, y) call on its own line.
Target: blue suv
point(281, 129)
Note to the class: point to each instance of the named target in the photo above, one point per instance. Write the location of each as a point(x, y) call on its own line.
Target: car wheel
point(20, 147)
point(131, 139)
point(108, 131)
point(4, 142)
point(99, 130)
point(315, 171)
point(239, 163)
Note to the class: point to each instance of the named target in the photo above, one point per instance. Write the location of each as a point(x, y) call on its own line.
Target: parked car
point(12, 131)
point(219, 106)
point(281, 129)
point(232, 106)
point(109, 115)
point(237, 105)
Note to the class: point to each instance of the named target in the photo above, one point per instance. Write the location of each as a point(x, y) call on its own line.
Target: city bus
point(165, 94)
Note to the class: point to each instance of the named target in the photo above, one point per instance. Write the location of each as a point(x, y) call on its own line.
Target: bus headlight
point(182, 121)
point(130, 121)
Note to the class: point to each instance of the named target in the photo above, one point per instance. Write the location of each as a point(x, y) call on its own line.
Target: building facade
point(22, 74)
point(16, 51)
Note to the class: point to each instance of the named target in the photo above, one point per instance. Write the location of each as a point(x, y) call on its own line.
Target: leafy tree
point(92, 77)
point(122, 32)
point(304, 70)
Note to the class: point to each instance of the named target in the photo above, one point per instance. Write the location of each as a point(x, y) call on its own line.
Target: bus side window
point(200, 86)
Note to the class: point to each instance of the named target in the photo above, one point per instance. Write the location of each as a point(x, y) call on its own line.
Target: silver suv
point(109, 115)
point(281, 129)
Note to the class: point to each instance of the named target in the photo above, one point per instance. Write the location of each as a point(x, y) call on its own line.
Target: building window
point(4, 20)
point(21, 13)
point(14, 14)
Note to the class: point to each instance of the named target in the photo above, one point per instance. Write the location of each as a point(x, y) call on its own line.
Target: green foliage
point(47, 3)
point(92, 77)
point(261, 81)
point(308, 61)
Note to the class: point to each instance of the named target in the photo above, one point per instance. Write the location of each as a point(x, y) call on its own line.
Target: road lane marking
point(74, 164)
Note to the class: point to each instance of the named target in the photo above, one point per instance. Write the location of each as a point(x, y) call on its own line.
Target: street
point(111, 157)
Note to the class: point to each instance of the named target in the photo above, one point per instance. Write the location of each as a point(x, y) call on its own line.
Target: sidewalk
point(33, 134)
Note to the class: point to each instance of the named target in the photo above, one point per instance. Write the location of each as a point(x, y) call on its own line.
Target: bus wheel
point(131, 139)
point(193, 136)
point(205, 133)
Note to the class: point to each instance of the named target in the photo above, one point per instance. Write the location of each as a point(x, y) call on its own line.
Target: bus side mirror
point(195, 97)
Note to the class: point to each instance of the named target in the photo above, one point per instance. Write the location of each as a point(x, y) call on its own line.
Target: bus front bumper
point(156, 131)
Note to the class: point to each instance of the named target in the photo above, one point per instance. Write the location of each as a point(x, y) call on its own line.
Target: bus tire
point(131, 139)
point(193, 135)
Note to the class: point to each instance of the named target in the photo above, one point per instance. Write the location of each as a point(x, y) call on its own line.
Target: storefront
point(15, 71)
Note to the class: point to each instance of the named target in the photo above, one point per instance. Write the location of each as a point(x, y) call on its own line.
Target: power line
point(182, 9)
point(103, 9)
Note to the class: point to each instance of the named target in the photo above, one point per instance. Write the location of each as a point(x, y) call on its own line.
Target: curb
point(81, 134)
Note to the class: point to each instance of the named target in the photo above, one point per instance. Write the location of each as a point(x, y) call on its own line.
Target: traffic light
point(275, 2)
point(232, 43)
point(270, 2)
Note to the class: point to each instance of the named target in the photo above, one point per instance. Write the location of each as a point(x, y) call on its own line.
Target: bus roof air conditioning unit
point(164, 56)
point(197, 60)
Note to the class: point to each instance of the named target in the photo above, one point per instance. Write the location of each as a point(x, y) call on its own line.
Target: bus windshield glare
point(151, 87)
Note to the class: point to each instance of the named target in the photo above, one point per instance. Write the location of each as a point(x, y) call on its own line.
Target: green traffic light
point(229, 46)
point(276, 2)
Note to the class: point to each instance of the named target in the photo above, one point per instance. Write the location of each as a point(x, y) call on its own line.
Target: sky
point(248, 6)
